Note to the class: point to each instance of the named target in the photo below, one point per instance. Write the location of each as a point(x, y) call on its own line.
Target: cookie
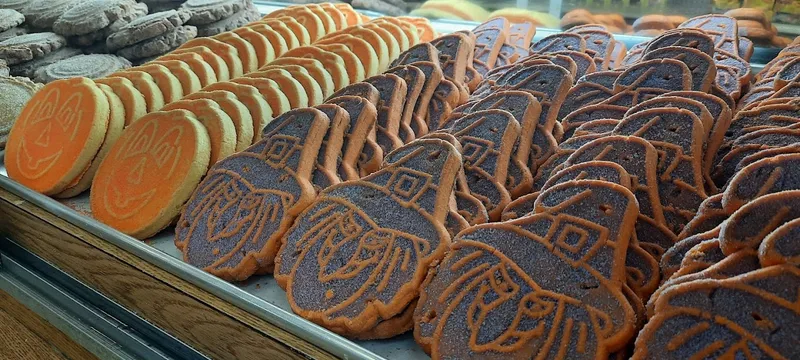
point(16, 92)
point(773, 175)
point(702, 66)
point(393, 28)
point(28, 47)
point(169, 84)
point(648, 79)
point(487, 153)
point(750, 144)
point(332, 62)
point(262, 47)
point(225, 51)
point(305, 16)
point(664, 101)
point(779, 247)
point(356, 148)
point(293, 33)
point(220, 127)
point(278, 101)
point(356, 71)
point(89, 66)
point(671, 260)
point(366, 54)
point(28, 68)
point(590, 170)
point(17, 5)
point(426, 31)
point(517, 45)
point(326, 165)
point(283, 160)
point(491, 36)
point(10, 18)
point(599, 127)
point(308, 83)
point(583, 94)
point(133, 101)
point(415, 80)
point(559, 42)
point(57, 133)
point(351, 16)
point(723, 30)
point(774, 115)
point(240, 18)
point(560, 155)
point(146, 27)
point(588, 113)
point(420, 52)
point(147, 86)
point(419, 160)
point(677, 135)
point(93, 15)
point(260, 111)
point(245, 51)
point(204, 12)
point(446, 96)
point(12, 33)
point(190, 82)
point(392, 90)
point(454, 52)
point(561, 60)
point(313, 67)
point(285, 83)
point(276, 39)
point(450, 296)
point(238, 113)
point(433, 77)
point(204, 72)
point(220, 67)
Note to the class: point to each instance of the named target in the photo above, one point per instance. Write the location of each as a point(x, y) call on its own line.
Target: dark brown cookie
point(588, 113)
point(445, 98)
point(722, 29)
point(489, 38)
point(487, 138)
point(683, 37)
point(673, 257)
point(520, 207)
point(420, 52)
point(392, 90)
point(357, 147)
point(602, 44)
point(702, 66)
point(330, 262)
point(559, 42)
point(599, 127)
point(750, 144)
point(650, 78)
point(232, 225)
point(560, 155)
point(326, 165)
point(709, 215)
point(767, 116)
point(781, 246)
point(766, 176)
point(433, 76)
point(453, 318)
point(455, 51)
point(415, 81)
point(605, 79)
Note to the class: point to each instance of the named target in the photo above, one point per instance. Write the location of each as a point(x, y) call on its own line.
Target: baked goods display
point(499, 197)
point(755, 25)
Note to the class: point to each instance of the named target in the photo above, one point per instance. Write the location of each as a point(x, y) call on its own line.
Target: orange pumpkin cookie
point(246, 52)
point(217, 63)
point(169, 84)
point(57, 135)
point(351, 16)
point(426, 31)
point(287, 84)
point(132, 99)
point(150, 172)
point(228, 53)
point(309, 83)
point(205, 73)
point(146, 85)
point(397, 32)
point(277, 100)
point(277, 42)
point(298, 32)
point(333, 63)
point(371, 37)
point(236, 111)
point(338, 17)
point(306, 17)
point(392, 44)
point(116, 123)
point(261, 45)
point(328, 24)
point(355, 68)
point(363, 50)
point(260, 110)
point(221, 131)
point(314, 68)
point(190, 82)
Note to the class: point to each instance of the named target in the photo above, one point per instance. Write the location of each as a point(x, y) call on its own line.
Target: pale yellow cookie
point(287, 84)
point(260, 110)
point(332, 62)
point(220, 67)
point(265, 52)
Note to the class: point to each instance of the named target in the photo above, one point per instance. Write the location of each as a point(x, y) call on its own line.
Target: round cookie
point(218, 63)
point(241, 18)
point(132, 100)
point(332, 62)
point(28, 68)
point(305, 16)
point(12, 33)
point(236, 110)
point(160, 44)
point(147, 86)
point(41, 14)
point(261, 45)
point(245, 51)
point(10, 18)
point(93, 15)
point(30, 46)
point(205, 73)
point(314, 68)
point(221, 131)
point(355, 68)
point(14, 94)
point(90, 66)
point(17, 5)
point(169, 84)
point(116, 123)
point(208, 11)
point(225, 51)
point(260, 110)
point(361, 48)
point(146, 27)
point(275, 38)
point(290, 24)
point(45, 152)
point(156, 163)
point(279, 88)
point(190, 82)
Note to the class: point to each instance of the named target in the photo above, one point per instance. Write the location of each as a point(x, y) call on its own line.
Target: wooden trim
point(48, 337)
point(203, 321)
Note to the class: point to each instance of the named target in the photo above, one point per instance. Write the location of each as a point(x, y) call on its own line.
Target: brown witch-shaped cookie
point(766, 176)
point(648, 79)
point(392, 90)
point(489, 38)
point(232, 225)
point(358, 150)
point(358, 255)
point(677, 135)
point(547, 285)
point(455, 53)
point(487, 139)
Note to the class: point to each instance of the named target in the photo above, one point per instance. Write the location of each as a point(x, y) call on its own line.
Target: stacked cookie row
point(137, 91)
point(756, 26)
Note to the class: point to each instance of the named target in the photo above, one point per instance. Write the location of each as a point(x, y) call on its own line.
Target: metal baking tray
point(261, 295)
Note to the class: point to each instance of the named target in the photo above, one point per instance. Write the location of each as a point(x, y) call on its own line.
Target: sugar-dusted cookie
point(250, 95)
point(767, 116)
point(57, 134)
point(205, 73)
point(766, 176)
point(90, 66)
point(580, 231)
point(709, 215)
point(487, 138)
point(664, 101)
point(15, 92)
point(205, 12)
point(583, 94)
point(433, 76)
point(242, 17)
point(672, 258)
point(490, 37)
point(650, 78)
point(446, 97)
point(419, 52)
point(150, 172)
point(702, 66)
point(233, 223)
point(240, 116)
point(220, 127)
point(357, 149)
point(415, 185)
point(20, 49)
point(750, 144)
point(751, 310)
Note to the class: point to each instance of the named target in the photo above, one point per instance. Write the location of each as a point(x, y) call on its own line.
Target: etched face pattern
point(232, 225)
point(369, 243)
point(490, 297)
